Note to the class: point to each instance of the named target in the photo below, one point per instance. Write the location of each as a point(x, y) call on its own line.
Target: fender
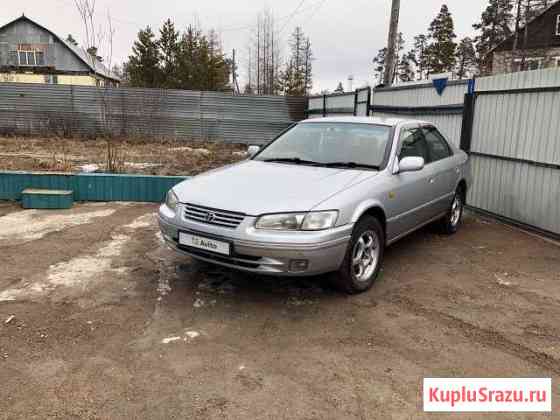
point(366, 205)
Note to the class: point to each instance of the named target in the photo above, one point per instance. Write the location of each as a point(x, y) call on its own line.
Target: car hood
point(255, 188)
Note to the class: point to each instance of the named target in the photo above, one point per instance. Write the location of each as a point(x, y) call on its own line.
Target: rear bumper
point(272, 258)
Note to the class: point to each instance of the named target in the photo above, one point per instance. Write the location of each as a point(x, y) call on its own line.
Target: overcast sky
point(345, 34)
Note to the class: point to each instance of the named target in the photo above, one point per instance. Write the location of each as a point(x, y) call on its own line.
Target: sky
point(345, 34)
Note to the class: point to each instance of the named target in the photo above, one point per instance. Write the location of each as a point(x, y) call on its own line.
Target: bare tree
point(100, 35)
point(264, 56)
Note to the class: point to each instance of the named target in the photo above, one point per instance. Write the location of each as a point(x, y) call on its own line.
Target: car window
point(413, 144)
point(437, 146)
point(327, 142)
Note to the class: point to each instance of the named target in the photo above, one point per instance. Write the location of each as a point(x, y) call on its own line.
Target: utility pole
point(392, 43)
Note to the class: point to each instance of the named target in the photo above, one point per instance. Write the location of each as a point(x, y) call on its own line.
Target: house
point(31, 53)
point(541, 50)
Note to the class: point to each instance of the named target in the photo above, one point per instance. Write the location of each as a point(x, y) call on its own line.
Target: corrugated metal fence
point(88, 111)
point(515, 148)
point(349, 103)
point(509, 124)
point(421, 101)
point(418, 101)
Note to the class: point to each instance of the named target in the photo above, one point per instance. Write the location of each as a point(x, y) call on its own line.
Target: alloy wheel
point(365, 256)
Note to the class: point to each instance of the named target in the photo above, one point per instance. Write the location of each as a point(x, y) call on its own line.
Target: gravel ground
point(99, 320)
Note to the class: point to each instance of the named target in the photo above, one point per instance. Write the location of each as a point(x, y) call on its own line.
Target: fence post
point(368, 109)
point(468, 120)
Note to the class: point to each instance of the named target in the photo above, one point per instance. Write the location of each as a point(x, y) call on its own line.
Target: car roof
point(390, 122)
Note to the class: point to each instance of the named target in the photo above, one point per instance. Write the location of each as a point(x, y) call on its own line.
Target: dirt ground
point(99, 320)
point(153, 157)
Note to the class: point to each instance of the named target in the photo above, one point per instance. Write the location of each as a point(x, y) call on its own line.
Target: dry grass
point(154, 157)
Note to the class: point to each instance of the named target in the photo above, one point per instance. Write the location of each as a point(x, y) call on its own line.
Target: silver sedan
point(327, 195)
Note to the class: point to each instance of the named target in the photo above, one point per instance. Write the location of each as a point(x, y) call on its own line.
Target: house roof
point(93, 63)
point(522, 27)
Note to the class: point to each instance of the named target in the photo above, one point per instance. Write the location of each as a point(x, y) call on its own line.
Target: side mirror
point(253, 150)
point(411, 164)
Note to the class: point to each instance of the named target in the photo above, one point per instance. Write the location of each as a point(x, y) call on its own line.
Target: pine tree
point(169, 51)
point(143, 64)
point(466, 58)
point(201, 63)
point(218, 67)
point(441, 51)
point(379, 64)
point(494, 27)
point(296, 79)
point(406, 67)
point(308, 66)
point(339, 88)
point(421, 56)
point(187, 59)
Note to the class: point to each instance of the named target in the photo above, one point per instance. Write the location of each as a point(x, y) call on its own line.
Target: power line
point(292, 15)
point(314, 13)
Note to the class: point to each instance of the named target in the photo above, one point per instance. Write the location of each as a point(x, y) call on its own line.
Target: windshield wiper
point(350, 165)
point(295, 160)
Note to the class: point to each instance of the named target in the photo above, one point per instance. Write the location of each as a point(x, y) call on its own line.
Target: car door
point(411, 192)
point(444, 171)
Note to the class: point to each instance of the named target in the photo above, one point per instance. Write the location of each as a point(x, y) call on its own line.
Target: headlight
point(171, 200)
point(320, 220)
point(298, 221)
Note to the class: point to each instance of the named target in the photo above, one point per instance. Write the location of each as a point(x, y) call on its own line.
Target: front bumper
point(263, 252)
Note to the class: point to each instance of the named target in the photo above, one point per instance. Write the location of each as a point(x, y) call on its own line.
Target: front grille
point(214, 217)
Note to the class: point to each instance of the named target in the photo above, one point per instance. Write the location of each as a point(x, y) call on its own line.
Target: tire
point(353, 277)
point(452, 220)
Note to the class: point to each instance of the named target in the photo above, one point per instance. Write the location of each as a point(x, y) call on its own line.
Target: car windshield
point(330, 144)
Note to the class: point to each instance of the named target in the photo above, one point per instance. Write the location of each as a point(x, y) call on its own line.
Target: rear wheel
point(450, 223)
point(363, 259)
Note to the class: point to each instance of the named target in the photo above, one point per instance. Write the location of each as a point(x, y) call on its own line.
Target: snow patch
point(170, 340)
point(78, 271)
point(142, 222)
point(30, 225)
point(192, 334)
point(189, 335)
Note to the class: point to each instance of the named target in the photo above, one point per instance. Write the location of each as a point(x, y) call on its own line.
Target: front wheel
point(363, 259)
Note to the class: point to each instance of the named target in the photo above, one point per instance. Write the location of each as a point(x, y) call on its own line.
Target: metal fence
point(89, 111)
point(514, 143)
point(355, 103)
point(421, 101)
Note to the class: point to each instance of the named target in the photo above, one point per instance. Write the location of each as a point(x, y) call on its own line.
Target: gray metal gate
point(513, 137)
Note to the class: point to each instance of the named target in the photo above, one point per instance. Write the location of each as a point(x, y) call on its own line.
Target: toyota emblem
point(210, 217)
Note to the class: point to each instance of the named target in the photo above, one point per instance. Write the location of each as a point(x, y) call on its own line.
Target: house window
point(31, 58)
point(558, 25)
point(40, 58)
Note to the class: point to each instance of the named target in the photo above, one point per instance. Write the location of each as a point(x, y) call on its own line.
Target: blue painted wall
point(90, 187)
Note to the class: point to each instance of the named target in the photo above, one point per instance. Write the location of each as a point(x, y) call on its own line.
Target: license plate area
point(205, 243)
